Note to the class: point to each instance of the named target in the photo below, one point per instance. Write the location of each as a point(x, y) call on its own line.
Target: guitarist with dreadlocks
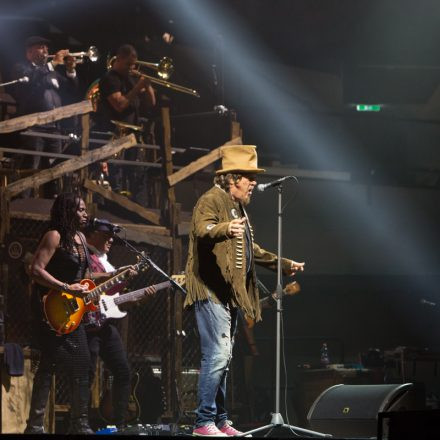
point(60, 262)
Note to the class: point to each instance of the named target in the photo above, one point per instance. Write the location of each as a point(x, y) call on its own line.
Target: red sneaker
point(209, 430)
point(229, 430)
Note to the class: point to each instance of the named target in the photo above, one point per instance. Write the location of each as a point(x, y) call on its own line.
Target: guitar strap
point(87, 254)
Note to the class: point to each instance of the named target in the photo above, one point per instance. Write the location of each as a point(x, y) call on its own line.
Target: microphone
point(263, 186)
point(221, 110)
point(427, 303)
point(95, 223)
point(23, 79)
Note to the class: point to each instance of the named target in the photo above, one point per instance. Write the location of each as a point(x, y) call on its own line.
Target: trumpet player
point(42, 91)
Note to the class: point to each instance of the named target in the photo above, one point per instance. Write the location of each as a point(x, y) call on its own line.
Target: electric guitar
point(108, 305)
point(106, 404)
point(290, 289)
point(64, 311)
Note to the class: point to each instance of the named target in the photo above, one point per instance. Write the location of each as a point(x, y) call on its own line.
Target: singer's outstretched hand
point(296, 267)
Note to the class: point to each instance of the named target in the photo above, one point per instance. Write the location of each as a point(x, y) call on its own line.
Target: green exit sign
point(368, 107)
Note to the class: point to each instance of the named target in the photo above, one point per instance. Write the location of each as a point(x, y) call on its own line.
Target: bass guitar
point(108, 305)
point(64, 310)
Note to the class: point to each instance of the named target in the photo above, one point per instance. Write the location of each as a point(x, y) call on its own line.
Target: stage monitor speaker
point(352, 410)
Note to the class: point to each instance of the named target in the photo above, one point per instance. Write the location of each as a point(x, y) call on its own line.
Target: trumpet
point(92, 54)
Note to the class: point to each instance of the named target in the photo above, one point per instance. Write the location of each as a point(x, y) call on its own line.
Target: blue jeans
point(217, 324)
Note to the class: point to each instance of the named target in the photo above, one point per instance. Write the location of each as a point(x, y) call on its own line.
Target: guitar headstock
point(180, 279)
point(292, 288)
point(142, 262)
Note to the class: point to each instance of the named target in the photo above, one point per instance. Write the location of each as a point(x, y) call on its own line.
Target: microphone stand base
point(278, 422)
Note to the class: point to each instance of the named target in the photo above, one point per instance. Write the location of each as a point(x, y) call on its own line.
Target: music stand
point(277, 419)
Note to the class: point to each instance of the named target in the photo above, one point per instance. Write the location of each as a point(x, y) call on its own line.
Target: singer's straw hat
point(239, 158)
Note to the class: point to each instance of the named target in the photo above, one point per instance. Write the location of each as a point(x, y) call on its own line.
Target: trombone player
point(123, 97)
point(42, 91)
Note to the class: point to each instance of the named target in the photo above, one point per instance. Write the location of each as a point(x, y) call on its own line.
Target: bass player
point(103, 338)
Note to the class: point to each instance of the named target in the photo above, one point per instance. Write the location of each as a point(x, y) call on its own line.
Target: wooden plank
point(108, 194)
point(71, 165)
point(162, 241)
point(166, 123)
point(146, 229)
point(142, 229)
point(30, 216)
point(183, 228)
point(154, 235)
point(236, 130)
point(4, 213)
point(234, 141)
point(23, 122)
point(193, 167)
point(200, 163)
point(85, 130)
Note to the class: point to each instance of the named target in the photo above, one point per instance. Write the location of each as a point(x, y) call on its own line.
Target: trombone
point(92, 54)
point(169, 85)
point(164, 69)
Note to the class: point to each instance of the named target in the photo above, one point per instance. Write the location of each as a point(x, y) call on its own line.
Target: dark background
point(294, 70)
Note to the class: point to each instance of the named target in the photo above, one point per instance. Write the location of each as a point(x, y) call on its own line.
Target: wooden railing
point(8, 191)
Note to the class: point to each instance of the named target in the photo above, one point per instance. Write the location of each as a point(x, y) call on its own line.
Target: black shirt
point(110, 83)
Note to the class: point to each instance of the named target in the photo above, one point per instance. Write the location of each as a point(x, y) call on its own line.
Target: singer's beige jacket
point(217, 263)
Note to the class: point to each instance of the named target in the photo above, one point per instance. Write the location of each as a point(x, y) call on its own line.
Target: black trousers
point(69, 355)
point(106, 343)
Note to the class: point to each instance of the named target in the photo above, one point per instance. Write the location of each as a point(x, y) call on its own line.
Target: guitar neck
point(95, 293)
point(136, 294)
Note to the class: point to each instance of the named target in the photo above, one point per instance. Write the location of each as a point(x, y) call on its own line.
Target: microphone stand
point(277, 419)
point(146, 258)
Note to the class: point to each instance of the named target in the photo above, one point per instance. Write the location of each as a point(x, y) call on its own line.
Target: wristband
point(65, 287)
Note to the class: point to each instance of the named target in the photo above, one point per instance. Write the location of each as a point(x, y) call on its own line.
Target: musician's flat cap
point(36, 40)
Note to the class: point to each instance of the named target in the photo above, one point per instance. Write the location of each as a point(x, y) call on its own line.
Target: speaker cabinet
point(352, 410)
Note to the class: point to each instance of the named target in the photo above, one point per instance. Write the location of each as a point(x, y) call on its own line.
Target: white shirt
point(103, 258)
